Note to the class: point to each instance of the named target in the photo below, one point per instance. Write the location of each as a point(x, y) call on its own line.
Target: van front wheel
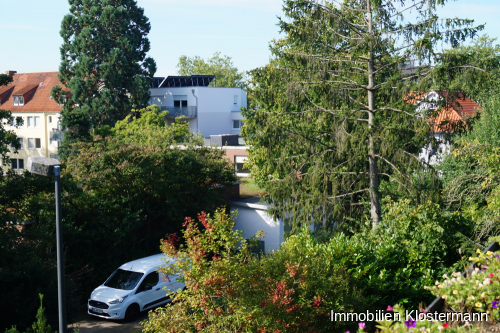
point(132, 312)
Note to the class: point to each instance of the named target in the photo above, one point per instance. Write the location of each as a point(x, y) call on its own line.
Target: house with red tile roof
point(455, 111)
point(28, 96)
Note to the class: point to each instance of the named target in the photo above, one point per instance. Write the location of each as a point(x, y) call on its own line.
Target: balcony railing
point(177, 111)
point(56, 135)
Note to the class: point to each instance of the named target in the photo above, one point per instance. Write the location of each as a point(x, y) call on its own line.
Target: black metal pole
point(60, 254)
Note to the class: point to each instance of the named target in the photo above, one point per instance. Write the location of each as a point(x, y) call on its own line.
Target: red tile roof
point(458, 108)
point(24, 89)
point(5, 88)
point(462, 104)
point(40, 101)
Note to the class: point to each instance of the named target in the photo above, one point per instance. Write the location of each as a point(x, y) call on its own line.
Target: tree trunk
point(375, 210)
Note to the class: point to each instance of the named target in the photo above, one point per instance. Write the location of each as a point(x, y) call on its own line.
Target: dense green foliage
point(333, 116)
point(5, 79)
point(103, 65)
point(40, 325)
point(226, 75)
point(27, 268)
point(294, 288)
point(233, 291)
point(470, 173)
point(120, 195)
point(8, 139)
point(472, 68)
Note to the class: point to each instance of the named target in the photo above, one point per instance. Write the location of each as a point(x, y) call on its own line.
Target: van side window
point(151, 280)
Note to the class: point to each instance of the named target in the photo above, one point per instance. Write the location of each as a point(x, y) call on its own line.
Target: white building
point(252, 216)
point(28, 97)
point(209, 110)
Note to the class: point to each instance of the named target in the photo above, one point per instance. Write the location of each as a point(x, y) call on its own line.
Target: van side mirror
point(148, 287)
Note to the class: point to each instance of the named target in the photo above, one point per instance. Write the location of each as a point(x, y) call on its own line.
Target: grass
point(248, 188)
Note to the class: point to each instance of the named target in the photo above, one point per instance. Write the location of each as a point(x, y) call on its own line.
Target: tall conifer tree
point(334, 113)
point(103, 65)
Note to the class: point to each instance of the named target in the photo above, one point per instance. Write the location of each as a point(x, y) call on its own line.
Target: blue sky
point(240, 29)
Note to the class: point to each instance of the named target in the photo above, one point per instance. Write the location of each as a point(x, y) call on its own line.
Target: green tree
point(226, 75)
point(147, 126)
point(5, 79)
point(8, 138)
point(103, 65)
point(122, 193)
point(473, 68)
point(334, 115)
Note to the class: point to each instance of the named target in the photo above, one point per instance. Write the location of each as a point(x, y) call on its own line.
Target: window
point(182, 104)
point(35, 143)
point(19, 100)
point(33, 121)
point(236, 124)
point(17, 164)
point(150, 281)
point(50, 119)
point(240, 171)
point(124, 280)
point(235, 99)
point(20, 142)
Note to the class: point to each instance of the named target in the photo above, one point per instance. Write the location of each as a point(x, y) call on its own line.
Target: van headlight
point(119, 300)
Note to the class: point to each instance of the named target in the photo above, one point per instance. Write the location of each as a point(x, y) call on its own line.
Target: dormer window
point(19, 100)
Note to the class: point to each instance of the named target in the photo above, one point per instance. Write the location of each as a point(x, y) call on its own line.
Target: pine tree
point(334, 114)
point(103, 65)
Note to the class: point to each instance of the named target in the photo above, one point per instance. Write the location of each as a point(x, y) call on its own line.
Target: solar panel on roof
point(187, 81)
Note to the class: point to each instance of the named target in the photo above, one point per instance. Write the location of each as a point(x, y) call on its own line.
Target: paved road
point(91, 324)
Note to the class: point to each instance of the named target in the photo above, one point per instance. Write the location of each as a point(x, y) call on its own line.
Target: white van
point(134, 287)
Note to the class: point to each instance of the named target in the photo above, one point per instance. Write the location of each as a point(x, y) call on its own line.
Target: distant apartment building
point(208, 110)
point(28, 96)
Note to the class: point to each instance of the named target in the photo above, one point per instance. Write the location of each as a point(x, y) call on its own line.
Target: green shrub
point(291, 290)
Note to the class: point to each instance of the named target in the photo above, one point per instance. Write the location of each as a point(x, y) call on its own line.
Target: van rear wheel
point(132, 312)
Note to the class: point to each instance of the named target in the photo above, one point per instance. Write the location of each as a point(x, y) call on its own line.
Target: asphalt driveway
point(91, 324)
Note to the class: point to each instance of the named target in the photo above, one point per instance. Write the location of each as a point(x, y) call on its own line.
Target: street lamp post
point(51, 167)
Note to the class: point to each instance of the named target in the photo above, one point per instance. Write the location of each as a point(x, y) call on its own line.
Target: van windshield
point(121, 279)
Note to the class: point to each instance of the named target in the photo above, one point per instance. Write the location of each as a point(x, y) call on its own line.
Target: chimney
point(10, 73)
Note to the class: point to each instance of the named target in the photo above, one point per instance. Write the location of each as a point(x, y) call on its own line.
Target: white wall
point(250, 220)
point(42, 132)
point(217, 106)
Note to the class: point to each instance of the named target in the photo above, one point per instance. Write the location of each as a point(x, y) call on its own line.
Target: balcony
point(56, 135)
point(176, 111)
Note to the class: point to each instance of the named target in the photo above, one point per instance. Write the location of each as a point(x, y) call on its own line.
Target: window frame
point(18, 100)
point(34, 144)
point(239, 123)
point(19, 163)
